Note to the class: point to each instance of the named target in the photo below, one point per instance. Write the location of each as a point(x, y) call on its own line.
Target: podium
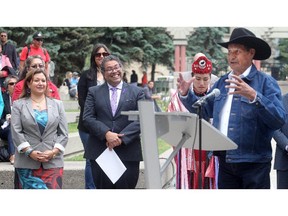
point(179, 129)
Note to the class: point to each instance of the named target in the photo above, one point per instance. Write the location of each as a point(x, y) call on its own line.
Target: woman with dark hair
point(88, 78)
point(40, 134)
point(32, 63)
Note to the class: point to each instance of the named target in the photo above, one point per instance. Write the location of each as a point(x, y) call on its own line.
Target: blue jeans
point(244, 175)
point(89, 183)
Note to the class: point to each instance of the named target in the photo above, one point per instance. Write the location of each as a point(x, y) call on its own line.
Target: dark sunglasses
point(37, 66)
point(3, 35)
point(12, 83)
point(38, 39)
point(104, 54)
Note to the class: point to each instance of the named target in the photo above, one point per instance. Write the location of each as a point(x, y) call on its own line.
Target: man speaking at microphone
point(248, 110)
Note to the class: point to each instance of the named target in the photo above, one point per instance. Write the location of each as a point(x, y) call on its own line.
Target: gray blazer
point(25, 132)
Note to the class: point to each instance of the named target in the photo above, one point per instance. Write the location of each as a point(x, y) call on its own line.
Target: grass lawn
point(162, 147)
point(72, 127)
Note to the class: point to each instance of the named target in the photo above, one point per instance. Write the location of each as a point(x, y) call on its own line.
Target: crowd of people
point(249, 110)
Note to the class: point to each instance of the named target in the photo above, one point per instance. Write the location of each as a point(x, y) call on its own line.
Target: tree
point(282, 59)
point(147, 45)
point(68, 46)
point(205, 40)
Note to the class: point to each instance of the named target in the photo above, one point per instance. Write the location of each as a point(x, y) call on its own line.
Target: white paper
point(111, 164)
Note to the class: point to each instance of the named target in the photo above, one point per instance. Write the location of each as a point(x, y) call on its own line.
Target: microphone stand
point(199, 112)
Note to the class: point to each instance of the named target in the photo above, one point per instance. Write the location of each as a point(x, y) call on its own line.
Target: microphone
point(202, 100)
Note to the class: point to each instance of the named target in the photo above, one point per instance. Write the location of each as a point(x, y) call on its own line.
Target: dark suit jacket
point(99, 120)
point(281, 138)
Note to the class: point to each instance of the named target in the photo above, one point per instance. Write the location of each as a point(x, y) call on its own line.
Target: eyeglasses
point(38, 39)
point(37, 66)
point(3, 35)
point(110, 70)
point(12, 83)
point(104, 54)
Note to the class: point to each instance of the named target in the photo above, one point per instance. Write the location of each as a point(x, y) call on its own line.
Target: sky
point(145, 13)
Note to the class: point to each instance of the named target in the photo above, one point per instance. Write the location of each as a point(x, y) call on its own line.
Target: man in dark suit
point(113, 131)
point(281, 154)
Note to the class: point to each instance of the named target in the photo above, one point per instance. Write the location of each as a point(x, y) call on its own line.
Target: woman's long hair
point(93, 66)
point(26, 92)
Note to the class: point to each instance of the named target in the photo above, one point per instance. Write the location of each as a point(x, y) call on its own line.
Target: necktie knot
point(113, 89)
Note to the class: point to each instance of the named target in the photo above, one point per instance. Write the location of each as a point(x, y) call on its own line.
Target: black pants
point(282, 179)
point(128, 180)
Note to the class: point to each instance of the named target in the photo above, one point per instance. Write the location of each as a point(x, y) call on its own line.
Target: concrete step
point(73, 177)
point(72, 116)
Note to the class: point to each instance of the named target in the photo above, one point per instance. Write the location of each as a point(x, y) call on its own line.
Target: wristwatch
point(28, 152)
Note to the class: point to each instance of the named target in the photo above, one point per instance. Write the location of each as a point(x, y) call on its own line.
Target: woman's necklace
point(38, 103)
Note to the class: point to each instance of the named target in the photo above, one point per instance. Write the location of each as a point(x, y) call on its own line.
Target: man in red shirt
point(35, 49)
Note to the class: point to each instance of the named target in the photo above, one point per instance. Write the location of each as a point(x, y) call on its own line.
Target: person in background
point(134, 78)
point(125, 78)
point(109, 129)
point(187, 160)
point(144, 79)
point(248, 111)
point(67, 79)
point(36, 48)
point(40, 134)
point(5, 67)
point(73, 85)
point(89, 78)
point(32, 63)
point(149, 95)
point(9, 50)
point(281, 153)
point(5, 130)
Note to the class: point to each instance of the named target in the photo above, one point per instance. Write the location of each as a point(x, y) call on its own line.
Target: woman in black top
point(88, 78)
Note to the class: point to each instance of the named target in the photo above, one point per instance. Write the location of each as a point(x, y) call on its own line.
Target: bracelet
point(54, 155)
point(28, 152)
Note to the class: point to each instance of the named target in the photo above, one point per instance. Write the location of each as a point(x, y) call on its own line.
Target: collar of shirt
point(243, 75)
point(119, 86)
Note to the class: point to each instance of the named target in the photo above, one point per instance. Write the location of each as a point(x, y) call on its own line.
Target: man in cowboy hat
point(248, 110)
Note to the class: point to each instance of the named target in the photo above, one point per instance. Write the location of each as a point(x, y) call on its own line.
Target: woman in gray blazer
point(40, 133)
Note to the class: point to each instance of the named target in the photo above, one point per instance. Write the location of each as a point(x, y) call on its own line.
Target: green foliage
point(70, 47)
point(205, 40)
point(282, 59)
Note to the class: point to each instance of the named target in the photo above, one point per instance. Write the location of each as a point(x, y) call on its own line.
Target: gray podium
point(178, 129)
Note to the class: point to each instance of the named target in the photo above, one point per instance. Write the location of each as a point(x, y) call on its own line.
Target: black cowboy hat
point(245, 37)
